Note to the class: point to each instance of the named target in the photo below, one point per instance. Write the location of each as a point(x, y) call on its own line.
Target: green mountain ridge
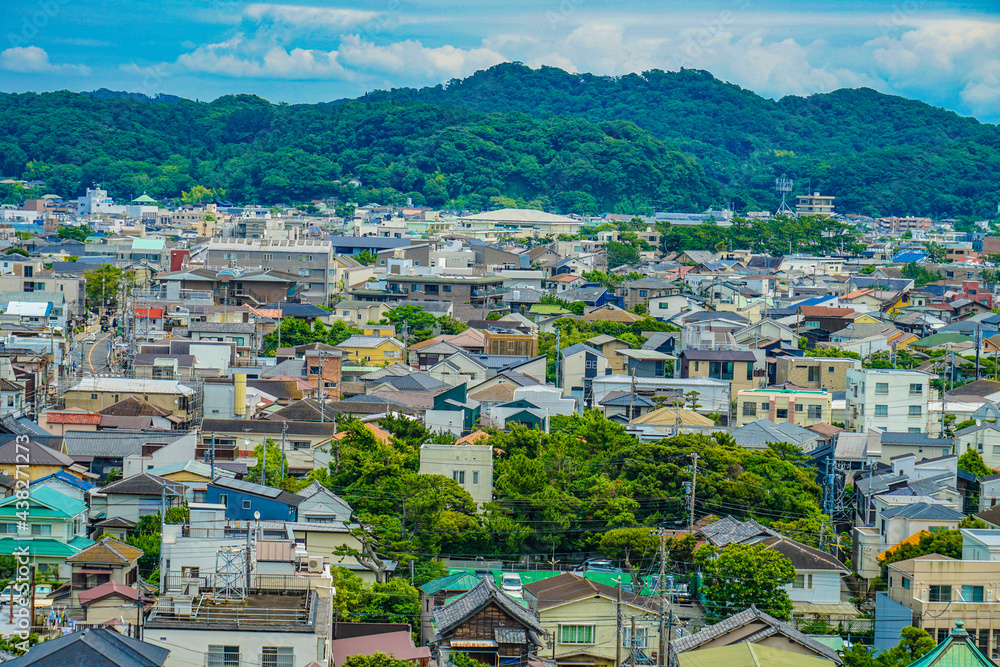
point(512, 135)
point(857, 144)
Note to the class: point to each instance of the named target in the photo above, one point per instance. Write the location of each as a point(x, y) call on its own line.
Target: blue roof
point(909, 256)
point(68, 478)
point(816, 300)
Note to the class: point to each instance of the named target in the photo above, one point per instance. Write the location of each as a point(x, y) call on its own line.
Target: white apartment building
point(469, 465)
point(890, 400)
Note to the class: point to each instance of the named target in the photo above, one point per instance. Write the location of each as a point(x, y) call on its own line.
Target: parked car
point(510, 583)
point(597, 565)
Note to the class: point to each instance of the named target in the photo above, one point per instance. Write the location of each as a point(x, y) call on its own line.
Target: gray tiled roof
point(453, 614)
point(117, 443)
point(729, 531)
point(93, 647)
point(924, 511)
point(737, 621)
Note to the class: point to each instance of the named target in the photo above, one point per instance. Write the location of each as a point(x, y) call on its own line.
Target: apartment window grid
point(223, 656)
point(277, 656)
point(577, 634)
point(749, 409)
point(641, 637)
point(815, 412)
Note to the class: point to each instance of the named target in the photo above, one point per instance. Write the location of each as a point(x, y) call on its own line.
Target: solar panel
point(249, 487)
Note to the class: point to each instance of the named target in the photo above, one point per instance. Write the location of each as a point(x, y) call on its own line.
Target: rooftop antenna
point(784, 185)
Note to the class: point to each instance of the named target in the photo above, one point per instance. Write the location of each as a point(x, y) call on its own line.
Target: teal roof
point(40, 547)
point(958, 650)
point(457, 581)
point(47, 503)
point(147, 244)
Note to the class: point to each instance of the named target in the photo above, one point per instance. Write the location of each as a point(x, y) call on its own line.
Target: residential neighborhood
point(230, 448)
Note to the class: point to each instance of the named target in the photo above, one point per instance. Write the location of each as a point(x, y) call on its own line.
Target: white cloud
point(242, 58)
point(303, 16)
point(34, 60)
point(411, 56)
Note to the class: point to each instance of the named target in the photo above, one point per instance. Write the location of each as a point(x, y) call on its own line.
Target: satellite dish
point(246, 441)
point(256, 515)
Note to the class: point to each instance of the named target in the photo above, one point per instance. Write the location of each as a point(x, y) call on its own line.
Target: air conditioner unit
point(316, 565)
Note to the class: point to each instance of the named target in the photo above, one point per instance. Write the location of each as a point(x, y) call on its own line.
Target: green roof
point(40, 547)
point(458, 581)
point(958, 650)
point(547, 309)
point(941, 338)
point(46, 503)
point(147, 244)
point(749, 655)
point(144, 199)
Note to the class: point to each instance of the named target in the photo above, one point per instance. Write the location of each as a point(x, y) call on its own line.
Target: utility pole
point(322, 401)
point(618, 625)
point(631, 644)
point(213, 457)
point(694, 484)
point(284, 429)
point(631, 398)
point(661, 656)
point(163, 523)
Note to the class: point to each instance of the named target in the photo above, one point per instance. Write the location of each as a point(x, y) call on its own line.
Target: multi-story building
point(829, 373)
point(579, 366)
point(470, 465)
point(311, 260)
point(940, 590)
point(803, 407)
point(814, 204)
point(891, 400)
point(736, 366)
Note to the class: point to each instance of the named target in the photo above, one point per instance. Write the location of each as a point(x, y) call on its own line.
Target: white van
point(510, 583)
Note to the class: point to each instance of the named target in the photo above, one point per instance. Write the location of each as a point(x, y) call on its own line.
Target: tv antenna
point(783, 185)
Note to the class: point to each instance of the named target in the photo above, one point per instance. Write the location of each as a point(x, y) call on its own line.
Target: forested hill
point(880, 154)
point(257, 151)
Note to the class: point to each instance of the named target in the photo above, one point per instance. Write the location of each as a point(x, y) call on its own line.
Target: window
point(749, 409)
point(224, 499)
point(906, 583)
point(916, 389)
point(749, 372)
point(996, 450)
point(798, 407)
point(93, 397)
point(765, 406)
point(814, 374)
point(458, 476)
point(803, 581)
point(972, 593)
point(223, 656)
point(831, 369)
point(8, 528)
point(881, 410)
point(815, 412)
point(475, 477)
point(641, 637)
point(916, 411)
point(41, 529)
point(268, 258)
point(246, 504)
point(642, 292)
point(277, 656)
point(446, 288)
point(913, 429)
point(781, 413)
point(300, 444)
point(577, 634)
point(882, 388)
point(940, 593)
point(721, 370)
point(188, 572)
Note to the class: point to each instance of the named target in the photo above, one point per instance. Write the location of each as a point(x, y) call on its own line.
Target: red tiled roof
point(106, 589)
point(151, 313)
point(73, 418)
point(823, 311)
point(566, 278)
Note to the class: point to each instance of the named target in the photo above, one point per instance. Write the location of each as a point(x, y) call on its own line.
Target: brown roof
point(134, 407)
point(823, 311)
point(473, 438)
point(397, 644)
point(275, 551)
point(991, 245)
point(825, 429)
point(107, 550)
point(803, 557)
point(55, 417)
point(570, 586)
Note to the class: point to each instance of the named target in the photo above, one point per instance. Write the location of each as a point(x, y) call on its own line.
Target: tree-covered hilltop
point(256, 151)
point(879, 154)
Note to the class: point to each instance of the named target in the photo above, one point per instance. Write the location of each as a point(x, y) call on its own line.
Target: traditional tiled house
point(488, 626)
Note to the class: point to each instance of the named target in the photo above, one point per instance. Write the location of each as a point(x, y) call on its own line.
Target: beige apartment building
point(469, 465)
point(940, 590)
point(828, 373)
point(800, 407)
point(814, 204)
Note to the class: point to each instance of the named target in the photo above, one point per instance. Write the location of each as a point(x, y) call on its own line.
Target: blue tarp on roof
point(909, 256)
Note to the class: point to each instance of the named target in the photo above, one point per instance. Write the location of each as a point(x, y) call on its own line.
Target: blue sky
point(945, 53)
